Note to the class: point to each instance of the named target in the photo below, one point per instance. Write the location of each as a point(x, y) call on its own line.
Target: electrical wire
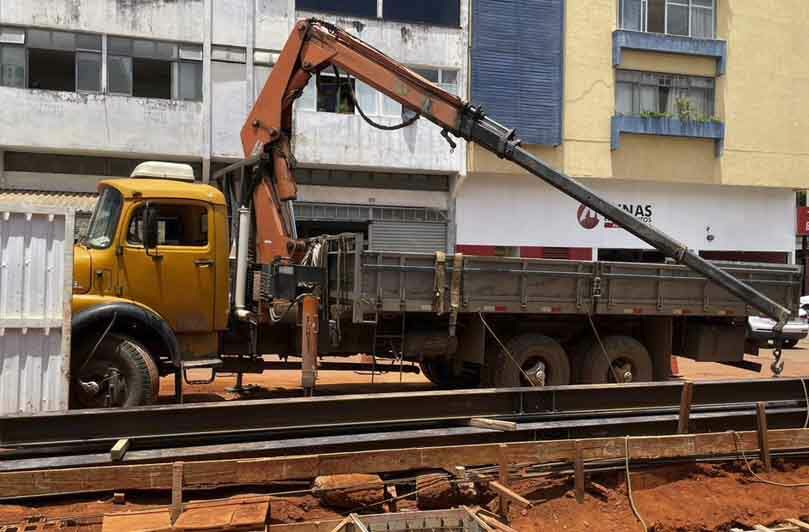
point(505, 350)
point(806, 399)
point(365, 117)
point(275, 318)
point(740, 450)
point(629, 486)
point(98, 343)
point(603, 349)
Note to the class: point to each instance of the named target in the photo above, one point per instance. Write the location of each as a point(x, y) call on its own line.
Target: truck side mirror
point(149, 227)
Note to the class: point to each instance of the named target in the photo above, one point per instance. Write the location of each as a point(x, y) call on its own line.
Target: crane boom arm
point(315, 45)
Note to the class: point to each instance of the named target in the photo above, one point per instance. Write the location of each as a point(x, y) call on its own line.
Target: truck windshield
point(105, 219)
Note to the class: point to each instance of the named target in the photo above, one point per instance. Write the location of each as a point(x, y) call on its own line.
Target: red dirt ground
point(287, 383)
point(694, 498)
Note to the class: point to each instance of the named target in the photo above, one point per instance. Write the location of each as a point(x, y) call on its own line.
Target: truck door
point(176, 278)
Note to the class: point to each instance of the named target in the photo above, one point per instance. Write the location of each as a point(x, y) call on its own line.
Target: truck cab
point(150, 284)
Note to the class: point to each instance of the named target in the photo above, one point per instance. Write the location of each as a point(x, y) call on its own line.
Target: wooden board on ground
point(230, 515)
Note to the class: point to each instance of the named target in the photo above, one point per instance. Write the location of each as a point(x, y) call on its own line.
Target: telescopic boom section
point(315, 45)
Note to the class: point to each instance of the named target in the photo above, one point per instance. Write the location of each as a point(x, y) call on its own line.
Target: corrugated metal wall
point(416, 237)
point(517, 58)
point(36, 269)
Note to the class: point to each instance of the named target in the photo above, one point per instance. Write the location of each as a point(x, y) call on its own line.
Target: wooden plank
point(119, 450)
point(763, 528)
point(686, 398)
point(254, 471)
point(494, 523)
point(511, 495)
point(493, 424)
point(578, 464)
point(176, 491)
point(799, 524)
point(237, 513)
point(503, 462)
point(311, 526)
point(763, 439)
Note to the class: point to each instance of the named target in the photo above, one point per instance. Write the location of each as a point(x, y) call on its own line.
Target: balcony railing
point(672, 44)
point(669, 127)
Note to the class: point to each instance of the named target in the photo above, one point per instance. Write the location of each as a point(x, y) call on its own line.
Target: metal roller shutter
point(420, 237)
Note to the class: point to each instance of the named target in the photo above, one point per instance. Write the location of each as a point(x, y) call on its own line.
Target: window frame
point(381, 98)
point(138, 208)
point(661, 77)
point(111, 231)
point(344, 13)
point(690, 6)
point(183, 52)
point(5, 45)
point(24, 42)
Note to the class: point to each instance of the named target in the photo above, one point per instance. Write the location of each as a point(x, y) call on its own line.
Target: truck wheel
point(154, 375)
point(629, 361)
point(790, 343)
point(540, 357)
point(440, 373)
point(121, 373)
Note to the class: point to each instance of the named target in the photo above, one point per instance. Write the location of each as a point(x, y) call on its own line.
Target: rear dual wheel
point(440, 372)
point(622, 359)
point(538, 360)
point(530, 360)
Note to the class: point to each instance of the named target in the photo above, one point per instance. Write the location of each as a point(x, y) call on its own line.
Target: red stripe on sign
point(532, 252)
point(499, 308)
point(475, 249)
point(556, 309)
point(581, 254)
point(637, 311)
point(564, 253)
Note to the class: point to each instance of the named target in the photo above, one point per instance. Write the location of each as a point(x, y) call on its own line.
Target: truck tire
point(533, 352)
point(439, 373)
point(790, 343)
point(577, 354)
point(628, 359)
point(118, 359)
point(154, 375)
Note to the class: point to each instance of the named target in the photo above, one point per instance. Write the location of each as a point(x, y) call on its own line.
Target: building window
point(447, 79)
point(52, 163)
point(352, 8)
point(690, 18)
point(325, 95)
point(154, 69)
point(334, 93)
point(263, 61)
point(348, 178)
point(443, 13)
point(50, 60)
point(663, 95)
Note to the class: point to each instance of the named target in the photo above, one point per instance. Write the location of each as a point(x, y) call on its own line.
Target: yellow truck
point(175, 274)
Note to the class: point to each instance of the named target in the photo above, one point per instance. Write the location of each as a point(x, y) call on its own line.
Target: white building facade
point(90, 88)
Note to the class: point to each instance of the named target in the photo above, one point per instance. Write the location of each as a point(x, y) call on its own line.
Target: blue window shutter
point(517, 65)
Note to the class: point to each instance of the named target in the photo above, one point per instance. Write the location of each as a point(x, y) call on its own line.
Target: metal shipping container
point(36, 270)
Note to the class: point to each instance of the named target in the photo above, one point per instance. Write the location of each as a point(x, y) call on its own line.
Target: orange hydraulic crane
point(315, 45)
